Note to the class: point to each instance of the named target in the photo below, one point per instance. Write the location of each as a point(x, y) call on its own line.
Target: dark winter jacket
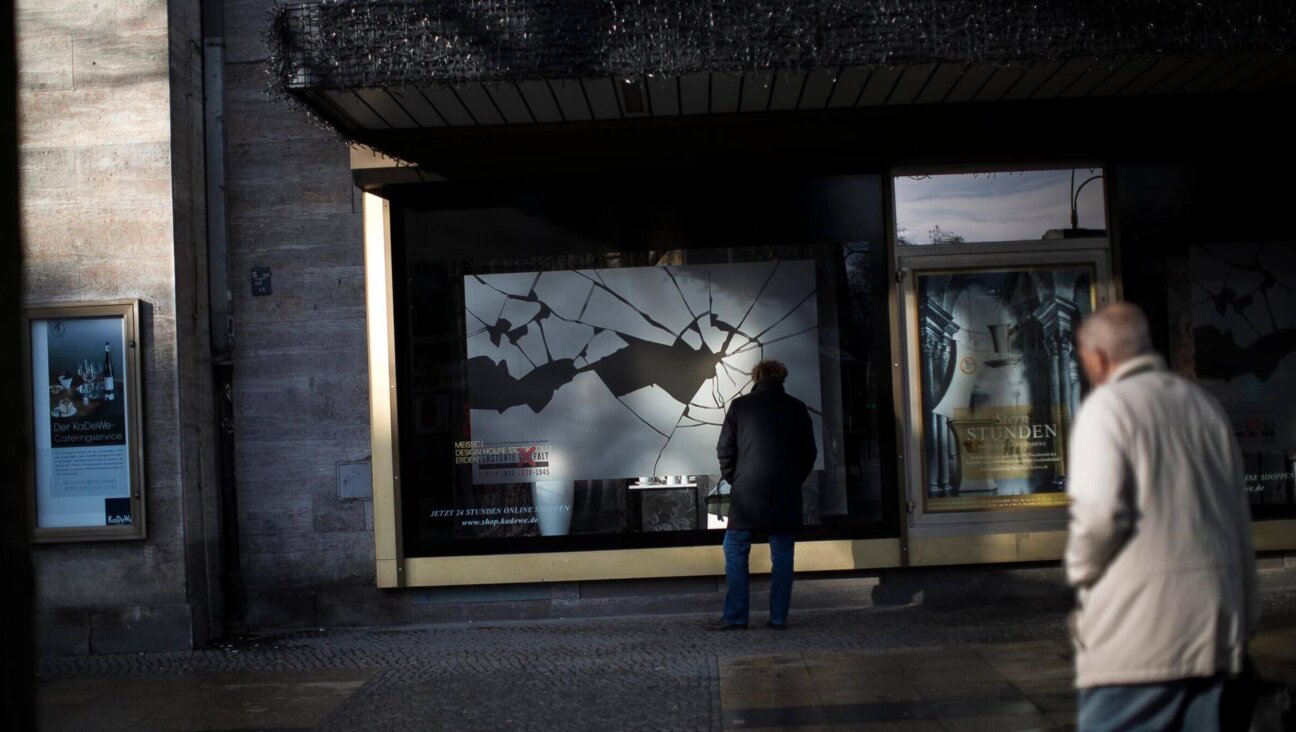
point(766, 450)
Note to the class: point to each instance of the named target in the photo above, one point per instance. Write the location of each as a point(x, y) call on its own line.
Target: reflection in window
point(999, 206)
point(1244, 333)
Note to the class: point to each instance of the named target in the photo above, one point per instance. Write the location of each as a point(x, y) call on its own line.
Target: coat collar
point(1138, 365)
point(767, 385)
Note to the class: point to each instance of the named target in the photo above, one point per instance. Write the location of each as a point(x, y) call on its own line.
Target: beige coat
point(1160, 535)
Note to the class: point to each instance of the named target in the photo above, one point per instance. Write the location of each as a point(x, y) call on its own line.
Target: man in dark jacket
point(766, 450)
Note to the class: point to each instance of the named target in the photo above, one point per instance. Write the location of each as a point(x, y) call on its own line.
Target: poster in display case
point(82, 380)
point(997, 382)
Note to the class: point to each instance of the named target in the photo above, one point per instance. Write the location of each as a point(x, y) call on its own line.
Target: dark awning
point(382, 72)
point(439, 63)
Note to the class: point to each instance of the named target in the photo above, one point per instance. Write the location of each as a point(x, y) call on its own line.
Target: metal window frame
point(938, 544)
point(922, 521)
point(394, 569)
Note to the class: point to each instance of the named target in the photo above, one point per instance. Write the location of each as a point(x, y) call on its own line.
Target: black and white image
point(1244, 339)
point(628, 372)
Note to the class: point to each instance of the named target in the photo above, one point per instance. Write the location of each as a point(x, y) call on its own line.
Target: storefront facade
point(445, 324)
point(573, 258)
point(551, 409)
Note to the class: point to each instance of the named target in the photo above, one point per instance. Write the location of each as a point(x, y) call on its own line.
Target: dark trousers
point(1186, 704)
point(737, 547)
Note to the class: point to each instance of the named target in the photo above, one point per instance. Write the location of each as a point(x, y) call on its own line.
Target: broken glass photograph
point(628, 372)
point(1244, 341)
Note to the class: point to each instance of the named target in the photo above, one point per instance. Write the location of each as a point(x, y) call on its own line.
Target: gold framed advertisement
point(994, 379)
point(81, 381)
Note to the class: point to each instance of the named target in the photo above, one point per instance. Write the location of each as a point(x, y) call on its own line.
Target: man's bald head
point(1112, 335)
point(1120, 330)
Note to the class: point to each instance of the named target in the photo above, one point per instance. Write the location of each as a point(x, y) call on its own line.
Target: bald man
point(1159, 547)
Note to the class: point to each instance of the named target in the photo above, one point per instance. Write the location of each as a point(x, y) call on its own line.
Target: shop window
point(991, 294)
point(1243, 345)
point(1021, 205)
point(565, 359)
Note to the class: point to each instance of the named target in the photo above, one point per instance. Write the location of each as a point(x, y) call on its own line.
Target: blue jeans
point(737, 546)
point(1186, 704)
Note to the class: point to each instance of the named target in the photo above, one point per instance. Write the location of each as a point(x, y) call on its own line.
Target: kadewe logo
point(117, 511)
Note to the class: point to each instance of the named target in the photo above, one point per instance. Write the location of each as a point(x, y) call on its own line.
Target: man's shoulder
point(768, 399)
point(782, 398)
point(1154, 385)
point(1131, 398)
point(795, 403)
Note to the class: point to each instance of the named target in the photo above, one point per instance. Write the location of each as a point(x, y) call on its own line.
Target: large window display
point(992, 297)
point(564, 370)
point(1244, 343)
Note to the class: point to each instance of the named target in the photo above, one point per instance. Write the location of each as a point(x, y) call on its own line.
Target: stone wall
point(300, 363)
point(101, 221)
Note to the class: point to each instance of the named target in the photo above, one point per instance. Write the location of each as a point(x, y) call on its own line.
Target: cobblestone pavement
point(660, 672)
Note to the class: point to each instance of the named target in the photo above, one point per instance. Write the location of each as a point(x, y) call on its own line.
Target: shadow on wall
point(17, 682)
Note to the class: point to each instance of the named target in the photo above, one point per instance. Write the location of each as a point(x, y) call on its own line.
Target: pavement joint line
point(872, 712)
point(574, 620)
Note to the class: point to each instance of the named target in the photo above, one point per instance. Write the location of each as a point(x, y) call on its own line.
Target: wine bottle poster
point(81, 422)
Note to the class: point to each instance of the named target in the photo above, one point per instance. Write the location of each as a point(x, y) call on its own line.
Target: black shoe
point(722, 625)
point(776, 626)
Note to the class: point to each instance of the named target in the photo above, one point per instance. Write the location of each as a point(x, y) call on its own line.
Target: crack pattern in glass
point(1243, 306)
point(626, 372)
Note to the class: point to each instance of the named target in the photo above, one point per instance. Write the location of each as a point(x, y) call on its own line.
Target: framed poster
point(994, 379)
point(82, 384)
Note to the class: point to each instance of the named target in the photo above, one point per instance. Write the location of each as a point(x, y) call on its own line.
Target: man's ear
point(1104, 364)
point(1093, 364)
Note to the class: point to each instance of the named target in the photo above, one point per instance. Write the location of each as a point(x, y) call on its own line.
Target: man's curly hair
point(772, 370)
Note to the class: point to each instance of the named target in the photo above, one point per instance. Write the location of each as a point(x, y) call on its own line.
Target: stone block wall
point(300, 360)
point(105, 208)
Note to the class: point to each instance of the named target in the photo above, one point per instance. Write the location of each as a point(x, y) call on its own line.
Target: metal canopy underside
point(613, 98)
point(366, 67)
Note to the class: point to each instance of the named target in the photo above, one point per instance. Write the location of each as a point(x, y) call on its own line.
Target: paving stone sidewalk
point(997, 666)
